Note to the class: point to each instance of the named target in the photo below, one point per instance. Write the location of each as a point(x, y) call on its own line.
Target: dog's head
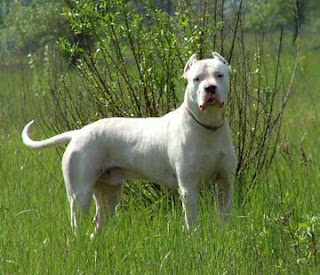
point(208, 81)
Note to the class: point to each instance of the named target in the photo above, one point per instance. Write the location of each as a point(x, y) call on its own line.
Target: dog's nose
point(211, 89)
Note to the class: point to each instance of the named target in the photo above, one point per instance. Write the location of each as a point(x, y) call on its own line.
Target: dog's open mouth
point(210, 100)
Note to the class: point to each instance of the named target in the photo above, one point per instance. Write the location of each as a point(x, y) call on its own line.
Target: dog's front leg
point(224, 196)
point(189, 192)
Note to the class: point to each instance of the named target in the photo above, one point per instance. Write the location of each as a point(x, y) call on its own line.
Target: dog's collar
point(209, 127)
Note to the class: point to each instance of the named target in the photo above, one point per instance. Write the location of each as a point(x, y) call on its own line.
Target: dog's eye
point(196, 79)
point(220, 75)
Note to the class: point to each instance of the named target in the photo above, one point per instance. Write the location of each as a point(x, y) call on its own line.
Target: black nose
point(211, 89)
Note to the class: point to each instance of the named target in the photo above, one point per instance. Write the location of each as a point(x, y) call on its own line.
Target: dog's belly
point(116, 176)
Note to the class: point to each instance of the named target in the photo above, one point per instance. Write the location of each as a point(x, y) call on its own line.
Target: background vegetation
point(70, 62)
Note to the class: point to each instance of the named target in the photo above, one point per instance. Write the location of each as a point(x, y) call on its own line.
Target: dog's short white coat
point(174, 150)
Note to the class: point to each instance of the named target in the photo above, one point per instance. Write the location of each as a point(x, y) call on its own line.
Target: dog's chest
point(204, 154)
point(209, 159)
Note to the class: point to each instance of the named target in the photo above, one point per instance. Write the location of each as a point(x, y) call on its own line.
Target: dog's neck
point(211, 119)
point(209, 127)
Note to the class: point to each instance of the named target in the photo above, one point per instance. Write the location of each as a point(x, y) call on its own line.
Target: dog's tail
point(50, 142)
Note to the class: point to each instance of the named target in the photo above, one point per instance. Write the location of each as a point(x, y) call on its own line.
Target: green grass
point(276, 231)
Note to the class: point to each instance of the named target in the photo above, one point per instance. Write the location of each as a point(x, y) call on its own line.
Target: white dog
point(183, 149)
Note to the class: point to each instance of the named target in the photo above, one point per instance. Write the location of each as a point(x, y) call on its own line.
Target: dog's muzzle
point(211, 97)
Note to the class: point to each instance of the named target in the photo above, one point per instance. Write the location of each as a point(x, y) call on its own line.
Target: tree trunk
point(298, 18)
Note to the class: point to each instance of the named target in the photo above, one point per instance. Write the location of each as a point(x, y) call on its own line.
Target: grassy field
point(276, 231)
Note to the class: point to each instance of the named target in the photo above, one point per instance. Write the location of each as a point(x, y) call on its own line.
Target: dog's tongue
point(210, 100)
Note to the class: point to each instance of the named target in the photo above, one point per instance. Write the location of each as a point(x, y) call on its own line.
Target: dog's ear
point(190, 62)
point(222, 59)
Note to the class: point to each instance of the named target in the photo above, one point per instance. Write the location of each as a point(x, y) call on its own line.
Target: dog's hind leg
point(107, 197)
point(79, 205)
point(79, 178)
